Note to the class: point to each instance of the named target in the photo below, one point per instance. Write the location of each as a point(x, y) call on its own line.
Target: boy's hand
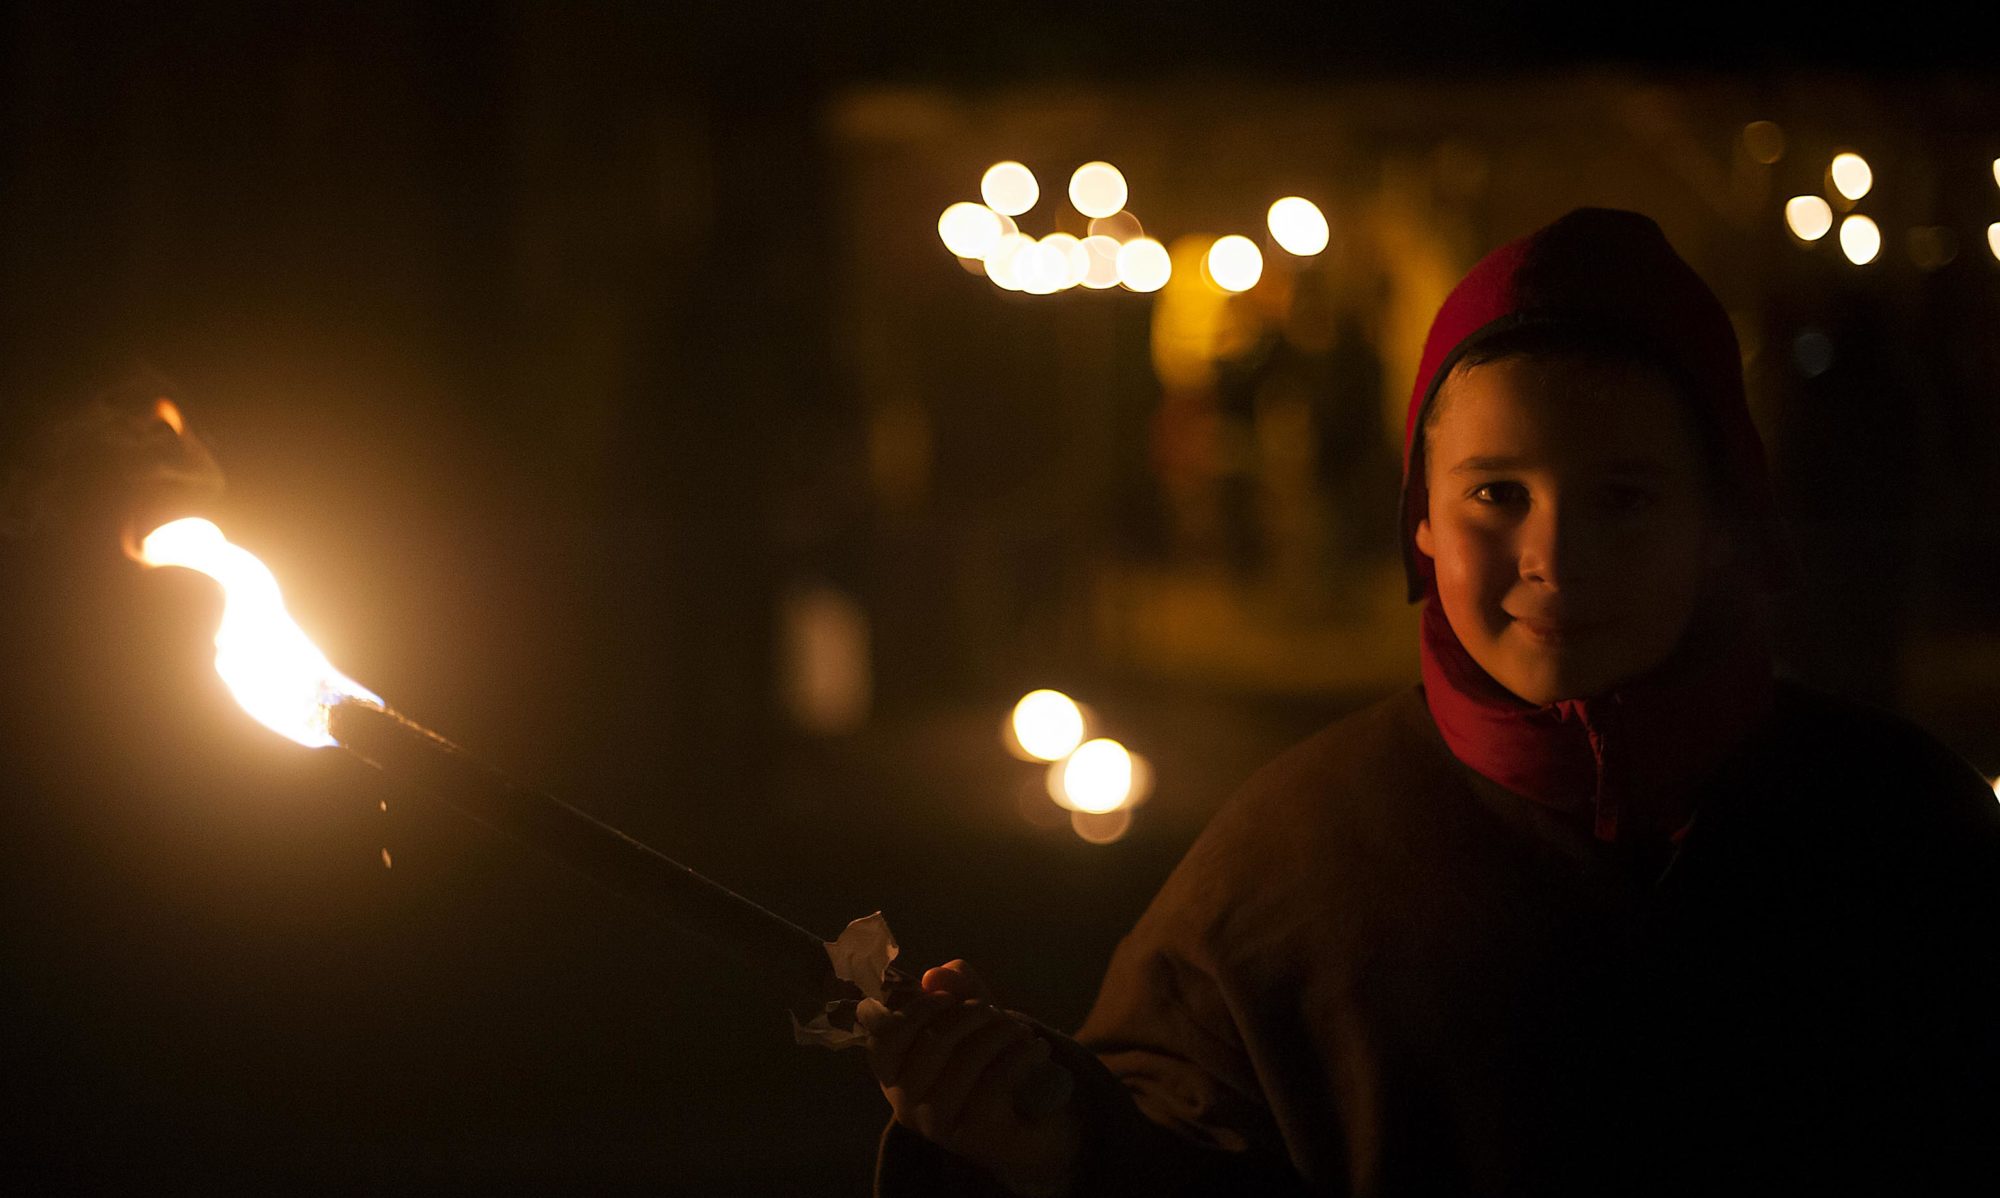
point(950, 1062)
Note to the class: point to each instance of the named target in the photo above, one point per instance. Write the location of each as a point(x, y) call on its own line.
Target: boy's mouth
point(1555, 633)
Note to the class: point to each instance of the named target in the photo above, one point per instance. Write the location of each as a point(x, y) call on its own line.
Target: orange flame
point(277, 674)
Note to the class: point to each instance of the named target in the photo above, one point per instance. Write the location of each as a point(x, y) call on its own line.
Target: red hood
point(1633, 757)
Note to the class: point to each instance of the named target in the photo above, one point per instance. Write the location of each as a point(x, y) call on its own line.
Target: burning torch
point(284, 682)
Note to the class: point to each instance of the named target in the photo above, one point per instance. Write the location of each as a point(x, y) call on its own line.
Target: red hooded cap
point(1631, 759)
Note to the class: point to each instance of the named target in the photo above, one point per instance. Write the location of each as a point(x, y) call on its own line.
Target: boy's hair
point(1599, 346)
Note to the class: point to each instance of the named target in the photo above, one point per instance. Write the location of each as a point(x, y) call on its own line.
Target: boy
point(1600, 906)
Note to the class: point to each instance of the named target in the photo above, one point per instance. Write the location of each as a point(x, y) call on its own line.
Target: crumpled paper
point(860, 955)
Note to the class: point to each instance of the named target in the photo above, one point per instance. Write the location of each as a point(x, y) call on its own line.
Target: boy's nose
point(1554, 547)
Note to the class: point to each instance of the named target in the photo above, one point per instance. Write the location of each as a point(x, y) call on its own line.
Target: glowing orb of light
point(1144, 265)
point(969, 230)
point(1860, 240)
point(1235, 263)
point(1047, 725)
point(1298, 225)
point(1043, 267)
point(1004, 257)
point(1097, 777)
point(1851, 175)
point(1097, 189)
point(1009, 188)
point(1075, 261)
point(1103, 269)
point(1993, 238)
point(1809, 217)
point(1120, 227)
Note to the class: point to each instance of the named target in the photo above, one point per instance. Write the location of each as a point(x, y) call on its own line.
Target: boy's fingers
point(961, 1073)
point(955, 978)
point(891, 1033)
point(932, 1048)
point(991, 1103)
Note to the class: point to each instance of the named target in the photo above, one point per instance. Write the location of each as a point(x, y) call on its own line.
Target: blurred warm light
point(1097, 189)
point(1047, 725)
point(1298, 225)
point(1234, 262)
point(1993, 239)
point(1764, 140)
point(1851, 176)
point(1102, 270)
point(1075, 259)
point(1101, 828)
point(271, 668)
point(1143, 265)
point(166, 413)
point(1120, 227)
point(1009, 188)
point(1860, 240)
point(1809, 217)
point(969, 230)
point(1996, 172)
point(1043, 267)
point(1097, 777)
point(1005, 257)
point(828, 680)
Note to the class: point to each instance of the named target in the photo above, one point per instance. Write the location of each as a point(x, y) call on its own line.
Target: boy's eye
point(1504, 487)
point(1619, 499)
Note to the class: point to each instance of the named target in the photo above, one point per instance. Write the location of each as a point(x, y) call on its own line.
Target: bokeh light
point(1764, 141)
point(1298, 225)
point(1860, 240)
point(1009, 188)
point(970, 230)
point(1101, 828)
point(1809, 217)
point(1102, 271)
point(1144, 265)
point(1234, 263)
point(1075, 259)
point(1851, 175)
point(1097, 189)
point(1047, 267)
point(1005, 257)
point(1097, 777)
point(1993, 239)
point(1047, 725)
point(1996, 172)
point(1120, 227)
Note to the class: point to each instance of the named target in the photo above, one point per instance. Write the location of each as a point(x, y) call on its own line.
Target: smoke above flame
point(268, 663)
point(116, 464)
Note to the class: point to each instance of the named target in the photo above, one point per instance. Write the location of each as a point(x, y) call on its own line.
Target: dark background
point(520, 334)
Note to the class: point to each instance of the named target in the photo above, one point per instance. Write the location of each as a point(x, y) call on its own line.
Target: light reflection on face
point(1598, 516)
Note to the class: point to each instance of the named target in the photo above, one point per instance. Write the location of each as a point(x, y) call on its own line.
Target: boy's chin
point(1539, 685)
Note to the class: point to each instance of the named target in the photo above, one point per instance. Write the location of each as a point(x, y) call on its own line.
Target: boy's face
point(1600, 524)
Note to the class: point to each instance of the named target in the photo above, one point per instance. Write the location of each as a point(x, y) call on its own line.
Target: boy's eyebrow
point(1638, 465)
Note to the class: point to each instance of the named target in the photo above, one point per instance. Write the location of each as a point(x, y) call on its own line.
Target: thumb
point(956, 978)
